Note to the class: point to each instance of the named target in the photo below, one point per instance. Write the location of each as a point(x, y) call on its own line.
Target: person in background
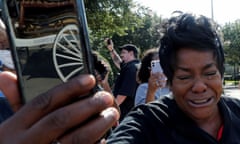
point(5, 53)
point(149, 88)
point(7, 78)
point(6, 59)
point(102, 71)
point(4, 43)
point(192, 58)
point(125, 84)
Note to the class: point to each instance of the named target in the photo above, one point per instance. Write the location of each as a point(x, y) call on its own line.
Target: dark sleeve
point(130, 130)
point(142, 125)
point(5, 109)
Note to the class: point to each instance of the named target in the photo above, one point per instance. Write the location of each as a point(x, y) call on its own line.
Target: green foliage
point(106, 18)
point(144, 36)
point(124, 19)
point(231, 33)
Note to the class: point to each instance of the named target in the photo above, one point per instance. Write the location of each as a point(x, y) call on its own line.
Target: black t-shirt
point(162, 122)
point(126, 84)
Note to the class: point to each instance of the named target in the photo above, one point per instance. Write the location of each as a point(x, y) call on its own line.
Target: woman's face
point(197, 83)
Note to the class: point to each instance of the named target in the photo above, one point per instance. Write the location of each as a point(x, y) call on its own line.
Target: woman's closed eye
point(185, 77)
point(210, 73)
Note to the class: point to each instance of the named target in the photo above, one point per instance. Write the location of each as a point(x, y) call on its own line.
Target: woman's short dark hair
point(188, 30)
point(144, 71)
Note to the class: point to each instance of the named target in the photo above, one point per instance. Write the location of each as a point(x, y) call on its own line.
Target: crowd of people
point(184, 104)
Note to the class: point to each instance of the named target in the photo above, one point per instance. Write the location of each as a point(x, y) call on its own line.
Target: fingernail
point(105, 97)
point(111, 113)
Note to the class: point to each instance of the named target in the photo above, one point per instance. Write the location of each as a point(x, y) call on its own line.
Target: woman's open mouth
point(201, 102)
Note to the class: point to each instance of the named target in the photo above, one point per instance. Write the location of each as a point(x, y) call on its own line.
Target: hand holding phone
point(156, 68)
point(44, 59)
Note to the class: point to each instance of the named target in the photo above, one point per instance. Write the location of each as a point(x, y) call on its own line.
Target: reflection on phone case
point(156, 67)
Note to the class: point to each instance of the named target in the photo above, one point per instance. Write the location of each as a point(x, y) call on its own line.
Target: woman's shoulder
point(230, 104)
point(165, 104)
point(228, 98)
point(230, 101)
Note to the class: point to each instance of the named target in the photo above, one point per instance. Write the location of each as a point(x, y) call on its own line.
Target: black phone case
point(46, 52)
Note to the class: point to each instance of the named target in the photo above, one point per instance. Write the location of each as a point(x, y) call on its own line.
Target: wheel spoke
point(67, 53)
point(66, 50)
point(73, 73)
point(70, 64)
point(68, 57)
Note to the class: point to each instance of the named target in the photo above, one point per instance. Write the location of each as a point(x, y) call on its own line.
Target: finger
point(9, 88)
point(103, 141)
point(93, 130)
point(53, 99)
point(68, 117)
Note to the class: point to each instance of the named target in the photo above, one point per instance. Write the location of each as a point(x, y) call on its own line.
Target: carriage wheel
point(67, 53)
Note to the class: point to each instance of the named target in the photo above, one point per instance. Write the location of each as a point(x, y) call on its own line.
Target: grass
point(231, 82)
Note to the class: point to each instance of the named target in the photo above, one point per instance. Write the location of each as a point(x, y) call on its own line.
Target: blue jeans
point(5, 109)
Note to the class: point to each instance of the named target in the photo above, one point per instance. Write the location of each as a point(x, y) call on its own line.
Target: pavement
point(232, 90)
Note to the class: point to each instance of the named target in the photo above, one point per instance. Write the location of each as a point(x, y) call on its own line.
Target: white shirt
point(6, 58)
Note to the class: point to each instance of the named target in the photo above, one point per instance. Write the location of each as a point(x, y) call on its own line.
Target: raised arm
point(114, 55)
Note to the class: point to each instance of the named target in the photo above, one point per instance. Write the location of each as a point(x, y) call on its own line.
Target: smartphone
point(109, 41)
point(48, 41)
point(156, 66)
point(98, 65)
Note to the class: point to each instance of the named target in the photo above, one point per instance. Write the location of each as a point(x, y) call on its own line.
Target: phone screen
point(48, 41)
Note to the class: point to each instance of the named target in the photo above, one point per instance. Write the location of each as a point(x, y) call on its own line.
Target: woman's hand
point(155, 81)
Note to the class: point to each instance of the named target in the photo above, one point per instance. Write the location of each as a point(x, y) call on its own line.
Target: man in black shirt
point(126, 84)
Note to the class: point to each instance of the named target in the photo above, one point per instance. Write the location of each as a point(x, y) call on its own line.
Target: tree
point(231, 32)
point(106, 18)
point(146, 35)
